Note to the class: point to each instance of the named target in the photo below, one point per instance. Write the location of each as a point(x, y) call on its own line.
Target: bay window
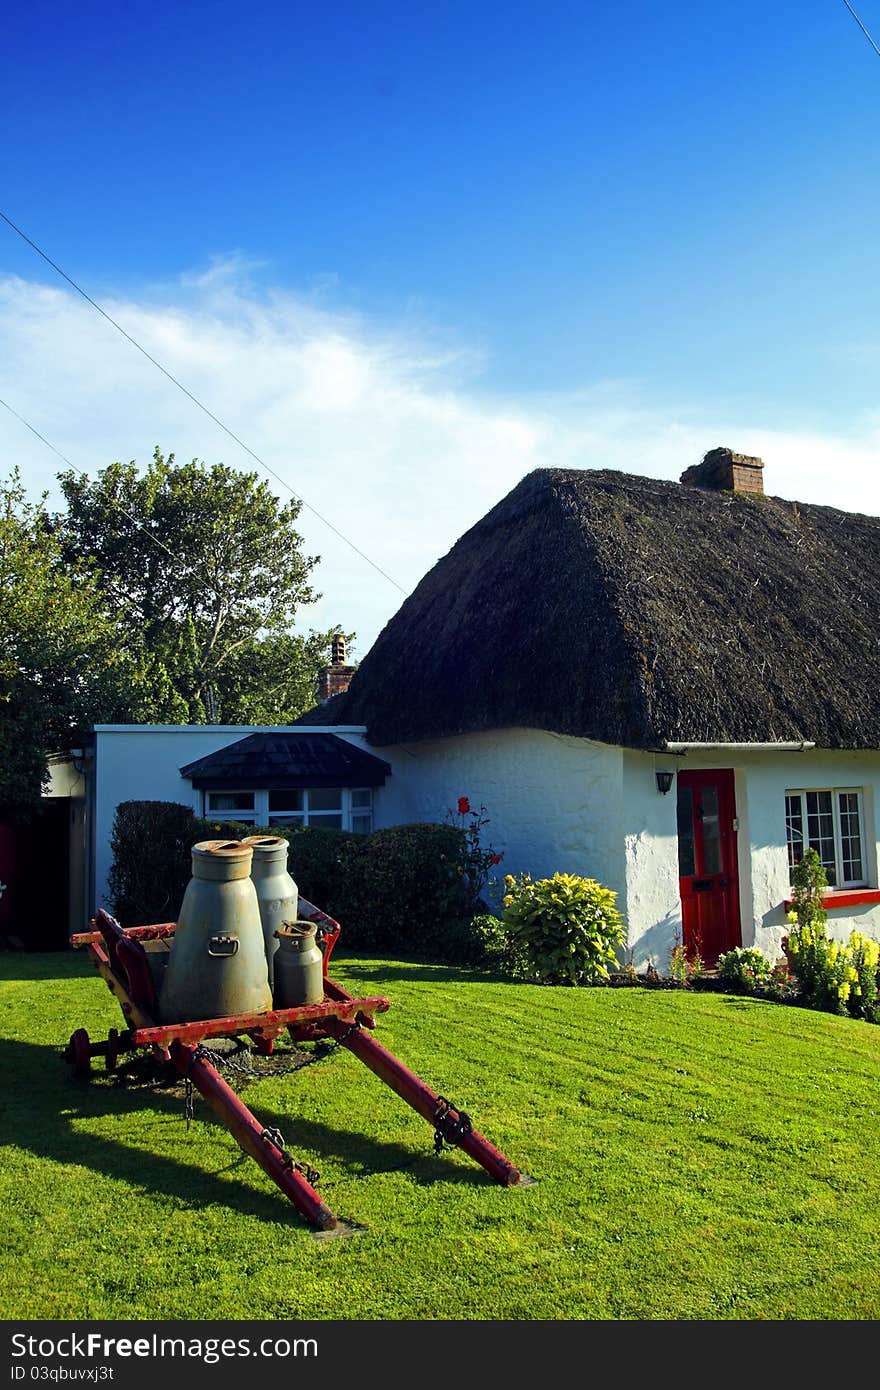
point(334, 808)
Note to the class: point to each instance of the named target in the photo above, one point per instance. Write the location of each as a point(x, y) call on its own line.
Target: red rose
point(463, 805)
point(496, 859)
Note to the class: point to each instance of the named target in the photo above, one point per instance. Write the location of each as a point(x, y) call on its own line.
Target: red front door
point(707, 867)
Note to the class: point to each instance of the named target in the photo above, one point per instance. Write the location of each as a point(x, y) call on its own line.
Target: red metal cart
point(120, 957)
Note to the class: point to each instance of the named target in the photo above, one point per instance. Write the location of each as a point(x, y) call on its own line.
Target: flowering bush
point(479, 859)
point(839, 978)
point(745, 969)
point(561, 930)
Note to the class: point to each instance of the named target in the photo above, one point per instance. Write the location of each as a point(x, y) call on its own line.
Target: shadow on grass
point(24, 967)
point(42, 1104)
point(362, 968)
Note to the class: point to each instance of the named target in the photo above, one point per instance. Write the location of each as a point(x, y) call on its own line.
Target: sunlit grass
point(697, 1156)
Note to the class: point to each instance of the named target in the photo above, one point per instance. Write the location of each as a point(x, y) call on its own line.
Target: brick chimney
point(335, 678)
point(724, 471)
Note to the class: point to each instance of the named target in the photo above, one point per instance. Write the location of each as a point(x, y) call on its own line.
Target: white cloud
point(387, 434)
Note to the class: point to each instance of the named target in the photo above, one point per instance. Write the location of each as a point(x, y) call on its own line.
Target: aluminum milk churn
point(277, 893)
point(299, 966)
point(217, 965)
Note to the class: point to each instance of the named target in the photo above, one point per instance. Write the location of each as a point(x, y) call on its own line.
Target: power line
point(43, 440)
point(195, 400)
point(862, 27)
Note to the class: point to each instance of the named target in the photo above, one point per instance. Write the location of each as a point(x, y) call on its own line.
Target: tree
point(60, 664)
point(205, 569)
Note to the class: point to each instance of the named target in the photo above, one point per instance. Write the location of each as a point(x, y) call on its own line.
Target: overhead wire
point(862, 27)
point(49, 445)
point(195, 400)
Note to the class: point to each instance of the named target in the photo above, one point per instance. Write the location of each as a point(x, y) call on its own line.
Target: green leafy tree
point(204, 567)
point(60, 665)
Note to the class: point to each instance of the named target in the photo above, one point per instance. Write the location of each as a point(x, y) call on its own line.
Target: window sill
point(845, 897)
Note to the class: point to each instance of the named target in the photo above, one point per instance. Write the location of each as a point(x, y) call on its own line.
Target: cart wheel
point(79, 1053)
point(111, 1056)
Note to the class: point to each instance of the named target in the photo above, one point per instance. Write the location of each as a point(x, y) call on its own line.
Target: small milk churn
point(217, 965)
point(299, 966)
point(277, 893)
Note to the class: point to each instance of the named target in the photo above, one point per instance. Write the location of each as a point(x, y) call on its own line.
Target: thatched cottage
point(670, 687)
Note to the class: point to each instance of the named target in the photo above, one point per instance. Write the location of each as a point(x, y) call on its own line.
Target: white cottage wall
point(768, 780)
point(553, 802)
point(653, 905)
point(651, 902)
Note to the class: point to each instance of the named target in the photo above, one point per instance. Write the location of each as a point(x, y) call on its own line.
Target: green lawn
point(697, 1156)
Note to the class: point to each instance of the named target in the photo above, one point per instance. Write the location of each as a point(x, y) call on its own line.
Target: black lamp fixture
point(664, 780)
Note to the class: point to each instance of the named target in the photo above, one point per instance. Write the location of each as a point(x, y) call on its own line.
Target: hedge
point(406, 889)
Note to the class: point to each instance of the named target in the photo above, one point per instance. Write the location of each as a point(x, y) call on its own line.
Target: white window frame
point(835, 793)
point(261, 814)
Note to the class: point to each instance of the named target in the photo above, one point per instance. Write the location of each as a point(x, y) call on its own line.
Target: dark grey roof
point(634, 611)
point(281, 760)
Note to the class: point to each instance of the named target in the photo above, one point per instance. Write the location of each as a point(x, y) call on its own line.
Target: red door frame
point(710, 892)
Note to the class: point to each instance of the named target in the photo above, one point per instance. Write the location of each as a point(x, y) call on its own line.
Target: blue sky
point(478, 238)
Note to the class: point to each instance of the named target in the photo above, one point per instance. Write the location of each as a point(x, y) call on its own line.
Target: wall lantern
point(664, 781)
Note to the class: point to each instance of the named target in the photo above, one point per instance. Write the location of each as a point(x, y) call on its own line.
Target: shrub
point(745, 970)
point(836, 977)
point(561, 930)
point(151, 842)
point(839, 978)
point(409, 889)
point(404, 888)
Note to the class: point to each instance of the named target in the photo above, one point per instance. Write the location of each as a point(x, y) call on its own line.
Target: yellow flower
point(508, 900)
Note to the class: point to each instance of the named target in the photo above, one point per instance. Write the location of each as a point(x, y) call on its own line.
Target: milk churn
point(277, 893)
point(217, 965)
point(299, 966)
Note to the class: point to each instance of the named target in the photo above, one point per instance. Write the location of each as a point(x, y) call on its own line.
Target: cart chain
point(276, 1139)
point(225, 1061)
point(446, 1129)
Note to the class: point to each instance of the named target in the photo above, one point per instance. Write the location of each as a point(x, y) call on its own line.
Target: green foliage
point(682, 1174)
point(809, 881)
point(405, 887)
point(151, 843)
point(480, 859)
point(683, 967)
point(204, 567)
point(836, 977)
point(562, 930)
point(745, 970)
point(59, 664)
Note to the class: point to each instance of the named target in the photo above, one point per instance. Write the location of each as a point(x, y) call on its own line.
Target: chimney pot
point(335, 678)
point(721, 470)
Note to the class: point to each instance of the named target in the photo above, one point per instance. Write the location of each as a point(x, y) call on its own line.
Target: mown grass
point(697, 1157)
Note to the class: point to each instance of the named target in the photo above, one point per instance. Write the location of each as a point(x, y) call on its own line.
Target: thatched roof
point(634, 611)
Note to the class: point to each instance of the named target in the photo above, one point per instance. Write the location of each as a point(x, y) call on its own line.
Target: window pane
point(850, 838)
point(230, 801)
point(328, 822)
point(794, 830)
point(281, 819)
point(686, 865)
point(289, 800)
point(711, 832)
point(362, 824)
point(325, 799)
point(820, 831)
point(364, 797)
